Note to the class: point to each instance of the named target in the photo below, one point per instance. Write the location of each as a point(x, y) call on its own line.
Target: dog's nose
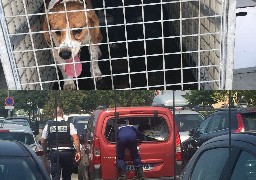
point(65, 54)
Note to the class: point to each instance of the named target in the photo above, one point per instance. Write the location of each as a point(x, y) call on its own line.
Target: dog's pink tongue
point(70, 70)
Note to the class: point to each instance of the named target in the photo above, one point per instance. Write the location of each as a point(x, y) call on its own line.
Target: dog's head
point(70, 30)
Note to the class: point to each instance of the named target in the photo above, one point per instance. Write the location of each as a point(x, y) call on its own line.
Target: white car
point(186, 120)
point(24, 134)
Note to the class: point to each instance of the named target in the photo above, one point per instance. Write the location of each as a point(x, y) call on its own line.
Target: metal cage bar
point(171, 44)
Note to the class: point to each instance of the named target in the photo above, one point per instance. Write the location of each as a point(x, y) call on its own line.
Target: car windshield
point(19, 168)
point(25, 138)
point(188, 121)
point(153, 128)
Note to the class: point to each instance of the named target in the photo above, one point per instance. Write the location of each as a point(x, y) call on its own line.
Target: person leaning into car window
point(64, 144)
point(127, 136)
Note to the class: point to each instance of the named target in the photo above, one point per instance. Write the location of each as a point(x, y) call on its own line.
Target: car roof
point(186, 111)
point(249, 137)
point(10, 148)
point(16, 128)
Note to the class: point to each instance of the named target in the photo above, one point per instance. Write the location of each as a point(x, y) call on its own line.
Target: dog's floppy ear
point(95, 31)
point(46, 28)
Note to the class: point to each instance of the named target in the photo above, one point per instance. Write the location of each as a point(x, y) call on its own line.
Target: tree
point(203, 97)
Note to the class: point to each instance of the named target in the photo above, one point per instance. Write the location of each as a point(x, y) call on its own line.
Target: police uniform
point(65, 147)
point(127, 138)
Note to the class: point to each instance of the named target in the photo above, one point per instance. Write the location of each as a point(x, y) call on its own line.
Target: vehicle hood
point(184, 135)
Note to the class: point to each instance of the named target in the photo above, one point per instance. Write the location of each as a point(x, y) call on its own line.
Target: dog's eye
point(77, 31)
point(58, 33)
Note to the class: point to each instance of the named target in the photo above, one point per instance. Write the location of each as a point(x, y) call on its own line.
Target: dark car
point(213, 162)
point(18, 161)
point(217, 124)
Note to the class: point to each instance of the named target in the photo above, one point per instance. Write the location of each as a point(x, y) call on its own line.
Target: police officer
point(64, 148)
point(127, 138)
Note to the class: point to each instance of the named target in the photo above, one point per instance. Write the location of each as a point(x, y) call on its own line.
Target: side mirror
point(81, 139)
point(191, 132)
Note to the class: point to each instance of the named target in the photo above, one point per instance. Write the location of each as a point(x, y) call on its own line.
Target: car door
point(191, 145)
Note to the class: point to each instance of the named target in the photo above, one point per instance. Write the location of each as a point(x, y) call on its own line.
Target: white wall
point(245, 42)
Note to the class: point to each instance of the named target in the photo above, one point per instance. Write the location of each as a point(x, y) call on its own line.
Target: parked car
point(15, 132)
point(217, 124)
point(156, 149)
point(18, 161)
point(34, 125)
point(212, 161)
point(203, 108)
point(187, 120)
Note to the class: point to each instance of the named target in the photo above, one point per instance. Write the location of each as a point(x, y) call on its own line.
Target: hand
point(77, 156)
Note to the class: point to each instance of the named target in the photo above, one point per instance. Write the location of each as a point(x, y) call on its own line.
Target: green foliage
point(201, 97)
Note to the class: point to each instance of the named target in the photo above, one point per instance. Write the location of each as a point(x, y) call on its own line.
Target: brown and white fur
point(66, 41)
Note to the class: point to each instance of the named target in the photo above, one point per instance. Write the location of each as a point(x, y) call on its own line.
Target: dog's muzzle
point(65, 54)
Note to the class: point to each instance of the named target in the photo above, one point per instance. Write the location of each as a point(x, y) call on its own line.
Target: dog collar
point(52, 3)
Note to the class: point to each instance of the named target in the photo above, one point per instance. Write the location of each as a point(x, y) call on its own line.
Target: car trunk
point(155, 150)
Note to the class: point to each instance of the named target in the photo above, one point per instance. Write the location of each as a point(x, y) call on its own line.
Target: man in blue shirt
point(127, 138)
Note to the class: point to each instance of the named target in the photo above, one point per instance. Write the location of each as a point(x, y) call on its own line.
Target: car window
point(188, 121)
point(216, 124)
point(202, 128)
point(249, 120)
point(19, 168)
point(210, 164)
point(245, 167)
point(25, 138)
point(154, 129)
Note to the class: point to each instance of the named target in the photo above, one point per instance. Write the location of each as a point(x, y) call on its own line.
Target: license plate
point(146, 167)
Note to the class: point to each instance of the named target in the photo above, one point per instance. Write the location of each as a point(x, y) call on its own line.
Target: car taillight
point(240, 127)
point(3, 130)
point(178, 148)
point(96, 151)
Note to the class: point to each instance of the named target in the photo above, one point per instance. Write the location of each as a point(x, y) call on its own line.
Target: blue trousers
point(127, 139)
point(65, 163)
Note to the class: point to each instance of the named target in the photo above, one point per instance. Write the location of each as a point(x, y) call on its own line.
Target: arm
point(77, 146)
point(75, 137)
point(44, 146)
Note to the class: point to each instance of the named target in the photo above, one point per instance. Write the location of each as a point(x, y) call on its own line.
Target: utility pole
point(9, 110)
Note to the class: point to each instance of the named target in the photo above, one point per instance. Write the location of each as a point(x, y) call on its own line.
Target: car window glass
point(188, 121)
point(215, 124)
point(249, 121)
point(19, 168)
point(210, 164)
point(153, 129)
point(201, 129)
point(16, 136)
point(245, 168)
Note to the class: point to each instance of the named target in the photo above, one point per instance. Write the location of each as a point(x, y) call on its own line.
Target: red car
point(159, 150)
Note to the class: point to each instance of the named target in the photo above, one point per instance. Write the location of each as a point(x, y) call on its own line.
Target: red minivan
point(160, 150)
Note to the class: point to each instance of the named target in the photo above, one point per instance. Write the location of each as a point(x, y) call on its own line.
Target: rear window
point(155, 129)
point(19, 168)
point(188, 121)
point(249, 121)
point(25, 138)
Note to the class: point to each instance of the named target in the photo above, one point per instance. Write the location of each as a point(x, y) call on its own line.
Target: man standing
point(127, 138)
point(58, 135)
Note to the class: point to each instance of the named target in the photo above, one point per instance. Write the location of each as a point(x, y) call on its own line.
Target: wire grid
point(180, 49)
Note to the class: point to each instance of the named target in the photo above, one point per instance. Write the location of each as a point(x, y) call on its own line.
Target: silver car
point(24, 134)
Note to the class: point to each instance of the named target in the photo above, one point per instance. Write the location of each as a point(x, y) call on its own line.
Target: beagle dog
point(67, 27)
